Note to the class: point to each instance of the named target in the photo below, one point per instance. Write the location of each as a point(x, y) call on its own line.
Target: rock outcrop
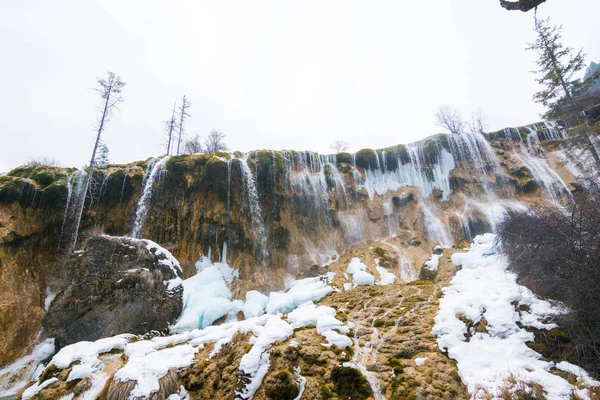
point(278, 212)
point(118, 285)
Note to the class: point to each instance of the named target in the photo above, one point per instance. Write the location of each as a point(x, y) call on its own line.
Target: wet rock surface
point(118, 286)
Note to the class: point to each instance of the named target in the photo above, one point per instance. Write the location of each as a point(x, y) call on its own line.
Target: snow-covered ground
point(206, 298)
point(486, 293)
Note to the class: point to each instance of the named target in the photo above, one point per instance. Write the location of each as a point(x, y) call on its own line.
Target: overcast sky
point(269, 74)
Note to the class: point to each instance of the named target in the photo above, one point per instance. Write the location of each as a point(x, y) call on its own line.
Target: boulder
point(117, 285)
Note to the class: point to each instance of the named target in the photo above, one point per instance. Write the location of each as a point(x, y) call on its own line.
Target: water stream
point(155, 166)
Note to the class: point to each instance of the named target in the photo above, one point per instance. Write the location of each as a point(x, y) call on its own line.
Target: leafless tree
point(193, 146)
point(170, 126)
point(110, 91)
point(449, 119)
point(42, 161)
point(339, 146)
point(478, 123)
point(214, 142)
point(185, 104)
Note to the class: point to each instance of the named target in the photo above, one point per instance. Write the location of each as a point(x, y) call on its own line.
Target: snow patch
point(484, 290)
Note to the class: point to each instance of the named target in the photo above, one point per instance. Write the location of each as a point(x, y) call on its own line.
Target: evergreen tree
point(557, 67)
point(103, 155)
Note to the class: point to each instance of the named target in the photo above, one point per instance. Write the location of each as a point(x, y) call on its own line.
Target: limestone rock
point(118, 285)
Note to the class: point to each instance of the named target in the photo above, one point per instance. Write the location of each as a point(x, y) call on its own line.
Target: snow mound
point(360, 276)
point(206, 296)
point(433, 263)
point(485, 292)
point(299, 292)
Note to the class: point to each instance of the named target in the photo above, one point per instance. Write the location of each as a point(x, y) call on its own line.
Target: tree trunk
point(73, 245)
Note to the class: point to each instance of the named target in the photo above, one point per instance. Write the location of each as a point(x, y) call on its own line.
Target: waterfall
point(75, 181)
point(123, 185)
point(254, 205)
point(155, 166)
point(417, 172)
point(407, 272)
point(530, 155)
point(435, 228)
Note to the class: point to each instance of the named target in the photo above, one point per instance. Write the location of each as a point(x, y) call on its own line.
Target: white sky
point(269, 74)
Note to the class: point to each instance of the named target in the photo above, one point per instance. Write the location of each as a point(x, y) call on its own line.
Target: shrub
point(557, 255)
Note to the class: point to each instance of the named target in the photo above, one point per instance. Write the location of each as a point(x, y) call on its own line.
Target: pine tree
point(557, 66)
point(103, 155)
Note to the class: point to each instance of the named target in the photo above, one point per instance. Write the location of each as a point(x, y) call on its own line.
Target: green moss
point(41, 175)
point(344, 158)
point(366, 158)
point(282, 386)
point(325, 391)
point(350, 384)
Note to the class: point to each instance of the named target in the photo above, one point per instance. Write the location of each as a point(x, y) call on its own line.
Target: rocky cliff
point(275, 214)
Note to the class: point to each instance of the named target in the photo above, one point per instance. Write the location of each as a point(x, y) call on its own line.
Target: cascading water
point(125, 173)
point(530, 156)
point(155, 166)
point(254, 205)
point(75, 182)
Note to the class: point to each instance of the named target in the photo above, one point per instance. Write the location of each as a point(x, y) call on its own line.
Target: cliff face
point(275, 213)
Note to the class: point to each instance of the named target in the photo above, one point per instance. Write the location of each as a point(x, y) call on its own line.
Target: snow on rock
point(35, 389)
point(255, 364)
point(363, 278)
point(308, 314)
point(80, 372)
point(301, 383)
point(147, 369)
point(337, 340)
point(255, 304)
point(485, 289)
point(355, 266)
point(433, 263)
point(386, 277)
point(17, 375)
point(419, 362)
point(87, 352)
point(330, 323)
point(206, 298)
point(360, 276)
point(299, 292)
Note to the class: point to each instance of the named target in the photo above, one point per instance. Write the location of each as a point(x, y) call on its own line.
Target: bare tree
point(478, 123)
point(185, 104)
point(42, 161)
point(214, 142)
point(449, 119)
point(193, 146)
point(110, 91)
point(170, 126)
point(339, 146)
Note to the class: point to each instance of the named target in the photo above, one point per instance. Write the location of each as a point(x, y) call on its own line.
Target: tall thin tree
point(171, 124)
point(110, 91)
point(557, 66)
point(185, 104)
